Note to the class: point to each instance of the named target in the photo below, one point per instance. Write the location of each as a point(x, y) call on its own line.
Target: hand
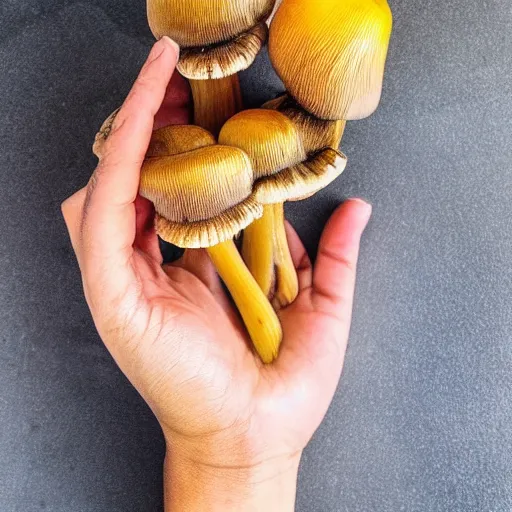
point(235, 429)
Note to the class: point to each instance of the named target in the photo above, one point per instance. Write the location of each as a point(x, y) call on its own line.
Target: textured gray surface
point(423, 417)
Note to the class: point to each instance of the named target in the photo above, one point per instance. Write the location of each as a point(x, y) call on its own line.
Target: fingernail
point(364, 203)
point(173, 44)
point(365, 211)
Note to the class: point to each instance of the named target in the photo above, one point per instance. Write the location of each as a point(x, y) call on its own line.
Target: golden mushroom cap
point(205, 22)
point(202, 197)
point(218, 37)
point(176, 139)
point(331, 54)
point(268, 137)
point(302, 180)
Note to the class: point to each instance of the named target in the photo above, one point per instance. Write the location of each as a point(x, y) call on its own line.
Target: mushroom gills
point(302, 180)
point(316, 133)
point(224, 59)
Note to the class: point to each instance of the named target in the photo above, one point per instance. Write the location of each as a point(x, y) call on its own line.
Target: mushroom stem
point(287, 287)
point(267, 255)
point(316, 133)
point(260, 319)
point(216, 101)
point(258, 250)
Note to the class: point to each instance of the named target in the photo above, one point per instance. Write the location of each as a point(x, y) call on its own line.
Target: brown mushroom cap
point(268, 137)
point(218, 37)
point(202, 197)
point(331, 54)
point(176, 139)
point(302, 180)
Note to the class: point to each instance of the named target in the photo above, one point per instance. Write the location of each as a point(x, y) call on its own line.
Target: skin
point(235, 429)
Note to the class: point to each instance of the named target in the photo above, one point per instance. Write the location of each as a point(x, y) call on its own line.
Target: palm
point(221, 375)
point(220, 389)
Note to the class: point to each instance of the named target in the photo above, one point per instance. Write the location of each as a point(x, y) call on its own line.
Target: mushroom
point(203, 198)
point(331, 57)
point(283, 172)
point(218, 39)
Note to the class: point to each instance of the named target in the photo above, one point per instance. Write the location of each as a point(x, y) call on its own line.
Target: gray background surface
point(423, 419)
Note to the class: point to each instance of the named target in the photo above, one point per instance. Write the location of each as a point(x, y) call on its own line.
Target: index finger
point(109, 227)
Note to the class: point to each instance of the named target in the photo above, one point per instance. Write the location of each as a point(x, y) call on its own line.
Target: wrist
point(196, 487)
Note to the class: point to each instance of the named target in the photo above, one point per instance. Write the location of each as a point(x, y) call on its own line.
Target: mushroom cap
point(205, 22)
point(202, 197)
point(302, 180)
point(268, 137)
point(331, 54)
point(176, 139)
point(316, 133)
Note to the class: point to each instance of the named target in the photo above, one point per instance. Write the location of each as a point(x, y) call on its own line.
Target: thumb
point(108, 228)
point(334, 276)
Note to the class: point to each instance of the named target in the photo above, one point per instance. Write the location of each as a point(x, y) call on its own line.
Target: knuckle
point(144, 81)
point(339, 258)
point(305, 263)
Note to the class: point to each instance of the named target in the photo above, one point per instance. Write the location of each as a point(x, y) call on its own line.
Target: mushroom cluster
point(232, 170)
